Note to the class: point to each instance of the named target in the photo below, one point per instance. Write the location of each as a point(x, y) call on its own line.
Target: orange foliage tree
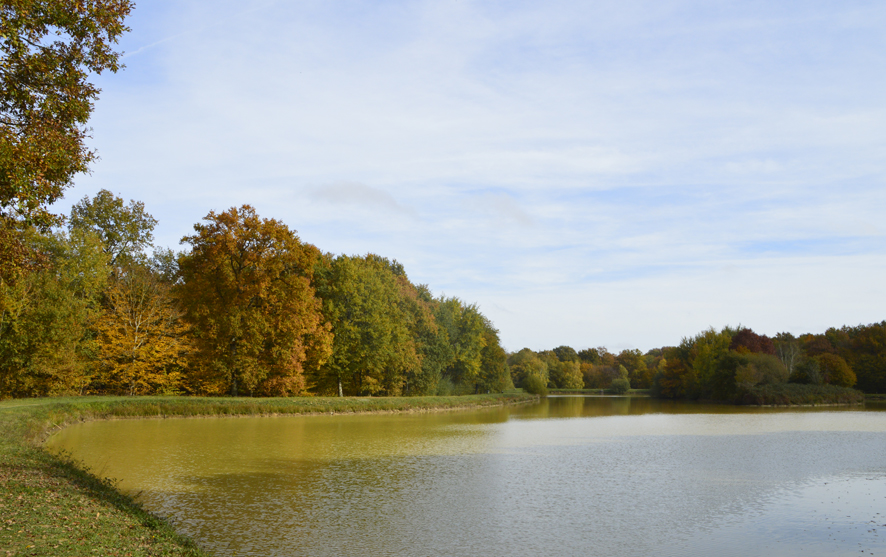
point(246, 290)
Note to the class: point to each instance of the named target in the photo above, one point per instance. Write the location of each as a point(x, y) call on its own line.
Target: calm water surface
point(569, 476)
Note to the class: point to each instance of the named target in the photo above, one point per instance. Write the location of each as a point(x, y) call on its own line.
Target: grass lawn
point(49, 506)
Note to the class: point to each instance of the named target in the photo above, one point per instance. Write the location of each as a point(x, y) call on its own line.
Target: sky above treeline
point(619, 173)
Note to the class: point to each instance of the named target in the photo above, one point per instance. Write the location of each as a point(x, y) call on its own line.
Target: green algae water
point(568, 476)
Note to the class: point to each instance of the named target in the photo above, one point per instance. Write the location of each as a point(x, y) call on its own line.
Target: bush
point(807, 372)
point(794, 393)
point(620, 386)
point(535, 385)
point(445, 387)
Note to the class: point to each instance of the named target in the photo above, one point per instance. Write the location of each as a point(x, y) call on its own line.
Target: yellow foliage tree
point(143, 337)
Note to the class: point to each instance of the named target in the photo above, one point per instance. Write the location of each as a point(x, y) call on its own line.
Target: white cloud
point(590, 167)
point(358, 195)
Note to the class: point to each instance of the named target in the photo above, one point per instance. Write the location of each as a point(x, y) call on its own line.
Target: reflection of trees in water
point(595, 406)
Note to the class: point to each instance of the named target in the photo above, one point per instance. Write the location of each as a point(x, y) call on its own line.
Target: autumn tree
point(747, 340)
point(142, 335)
point(835, 370)
point(246, 290)
point(48, 51)
point(814, 345)
point(868, 356)
point(674, 377)
point(431, 341)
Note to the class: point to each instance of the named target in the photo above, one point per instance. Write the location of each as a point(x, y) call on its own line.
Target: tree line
point(251, 309)
point(247, 309)
point(716, 365)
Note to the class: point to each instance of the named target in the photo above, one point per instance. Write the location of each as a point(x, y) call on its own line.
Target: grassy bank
point(50, 507)
point(632, 392)
point(793, 394)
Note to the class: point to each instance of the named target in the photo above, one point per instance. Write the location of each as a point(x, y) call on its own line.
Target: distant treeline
point(248, 309)
point(724, 365)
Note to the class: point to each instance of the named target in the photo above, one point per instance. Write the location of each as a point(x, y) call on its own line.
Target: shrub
point(445, 387)
point(535, 385)
point(620, 386)
point(793, 393)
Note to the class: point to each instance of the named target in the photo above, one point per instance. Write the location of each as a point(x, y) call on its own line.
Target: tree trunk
point(234, 368)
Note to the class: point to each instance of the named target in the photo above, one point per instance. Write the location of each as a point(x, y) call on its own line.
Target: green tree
point(246, 290)
point(495, 377)
point(535, 385)
point(564, 370)
point(46, 329)
point(752, 369)
point(807, 371)
point(525, 364)
point(635, 362)
point(590, 356)
point(125, 230)
point(373, 351)
point(621, 384)
point(706, 351)
point(566, 354)
point(465, 328)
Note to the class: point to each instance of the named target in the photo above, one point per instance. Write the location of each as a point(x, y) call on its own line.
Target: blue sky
point(619, 173)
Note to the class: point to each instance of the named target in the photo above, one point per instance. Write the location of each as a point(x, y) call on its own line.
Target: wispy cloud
point(584, 171)
point(354, 194)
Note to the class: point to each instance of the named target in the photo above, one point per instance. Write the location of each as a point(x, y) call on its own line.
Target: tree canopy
point(48, 50)
point(247, 291)
point(250, 309)
point(125, 230)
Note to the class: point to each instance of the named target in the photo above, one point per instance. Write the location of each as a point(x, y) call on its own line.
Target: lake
point(568, 476)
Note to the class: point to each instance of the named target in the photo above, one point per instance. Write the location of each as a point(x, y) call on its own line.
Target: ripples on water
point(571, 476)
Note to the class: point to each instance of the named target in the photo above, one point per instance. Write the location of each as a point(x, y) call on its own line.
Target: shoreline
point(53, 506)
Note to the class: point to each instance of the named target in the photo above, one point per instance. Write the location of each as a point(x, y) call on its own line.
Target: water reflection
point(572, 475)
